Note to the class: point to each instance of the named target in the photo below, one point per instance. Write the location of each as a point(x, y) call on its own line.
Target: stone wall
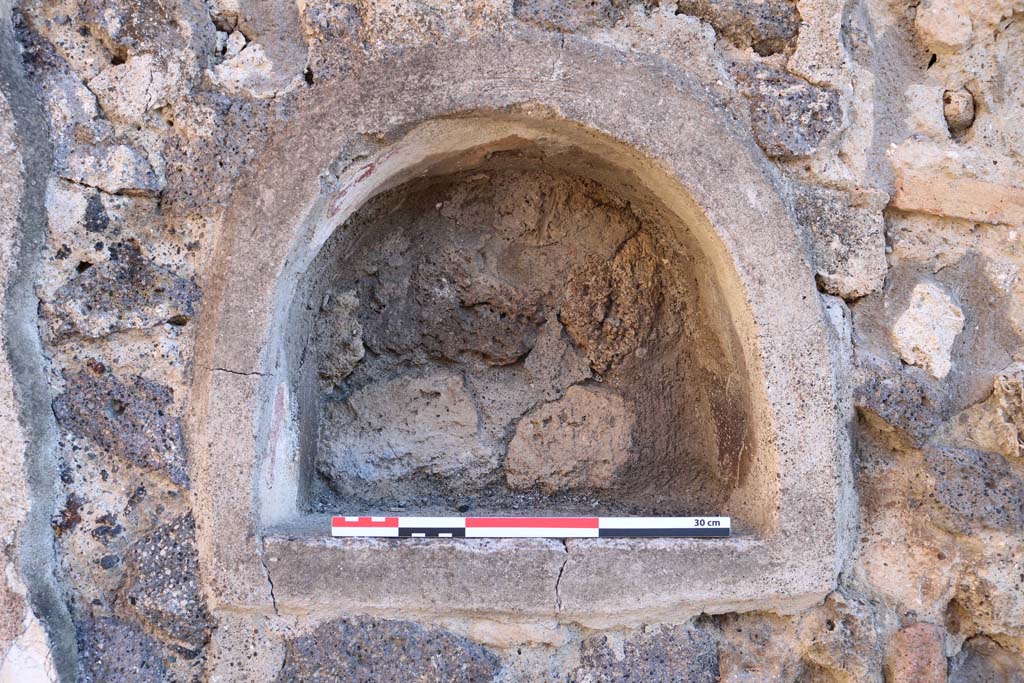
point(892, 128)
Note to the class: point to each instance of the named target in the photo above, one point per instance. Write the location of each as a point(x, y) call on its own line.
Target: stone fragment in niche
point(958, 110)
point(611, 306)
point(447, 306)
point(554, 363)
point(339, 336)
point(581, 441)
point(924, 333)
point(390, 433)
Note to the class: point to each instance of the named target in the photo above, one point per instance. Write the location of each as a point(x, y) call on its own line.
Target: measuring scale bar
point(531, 527)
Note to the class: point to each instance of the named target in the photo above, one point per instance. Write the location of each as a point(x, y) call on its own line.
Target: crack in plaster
point(236, 372)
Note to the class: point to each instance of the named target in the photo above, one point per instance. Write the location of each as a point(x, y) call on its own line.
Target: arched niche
point(438, 114)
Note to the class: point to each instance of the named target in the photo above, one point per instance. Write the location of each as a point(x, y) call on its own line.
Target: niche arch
point(441, 110)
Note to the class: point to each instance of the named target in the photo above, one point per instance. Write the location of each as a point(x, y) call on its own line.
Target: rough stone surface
point(984, 661)
point(112, 168)
point(915, 655)
point(668, 654)
point(113, 649)
point(370, 650)
point(996, 424)
point(925, 331)
point(581, 440)
point(610, 306)
point(125, 292)
point(127, 91)
point(129, 418)
point(391, 433)
point(768, 26)
point(894, 401)
point(790, 116)
point(842, 640)
point(570, 15)
point(758, 647)
point(943, 26)
point(162, 584)
point(340, 329)
point(975, 490)
point(943, 193)
point(849, 241)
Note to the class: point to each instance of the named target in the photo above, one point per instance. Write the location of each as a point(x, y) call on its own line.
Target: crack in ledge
point(558, 580)
point(266, 570)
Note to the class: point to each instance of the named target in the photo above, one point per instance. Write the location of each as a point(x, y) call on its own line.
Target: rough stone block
point(996, 424)
point(975, 490)
point(767, 26)
point(924, 333)
point(162, 584)
point(790, 116)
point(579, 441)
point(982, 660)
point(758, 647)
point(894, 401)
point(936, 192)
point(915, 655)
point(842, 637)
point(112, 168)
point(848, 241)
point(127, 417)
point(570, 16)
point(128, 291)
point(117, 651)
point(943, 25)
point(670, 654)
point(127, 91)
point(372, 650)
